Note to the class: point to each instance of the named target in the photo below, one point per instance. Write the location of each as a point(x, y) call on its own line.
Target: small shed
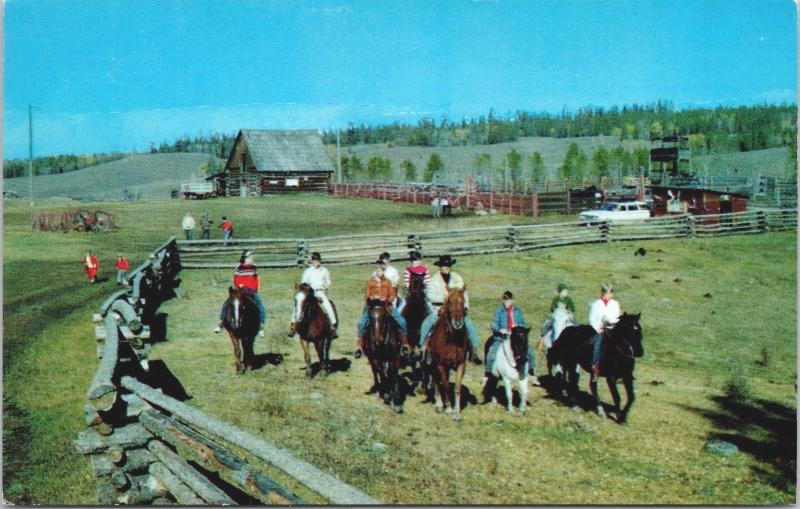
point(270, 161)
point(696, 201)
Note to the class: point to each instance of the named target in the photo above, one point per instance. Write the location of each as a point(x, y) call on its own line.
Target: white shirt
point(318, 279)
point(600, 313)
point(188, 222)
point(437, 289)
point(391, 274)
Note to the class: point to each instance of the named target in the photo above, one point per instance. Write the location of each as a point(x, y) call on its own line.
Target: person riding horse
point(561, 300)
point(319, 279)
point(440, 285)
point(245, 277)
point(506, 317)
point(416, 269)
point(379, 287)
point(603, 315)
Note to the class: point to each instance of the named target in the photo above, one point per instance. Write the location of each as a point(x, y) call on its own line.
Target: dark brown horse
point(382, 346)
point(415, 309)
point(448, 347)
point(241, 322)
point(314, 327)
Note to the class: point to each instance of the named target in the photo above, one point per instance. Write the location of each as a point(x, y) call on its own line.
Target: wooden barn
point(268, 162)
point(696, 201)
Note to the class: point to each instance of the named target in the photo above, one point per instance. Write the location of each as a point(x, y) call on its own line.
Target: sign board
point(292, 182)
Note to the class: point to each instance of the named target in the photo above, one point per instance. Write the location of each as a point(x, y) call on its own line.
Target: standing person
point(245, 277)
point(379, 287)
point(319, 279)
point(440, 285)
point(416, 269)
point(122, 268)
point(92, 266)
point(227, 229)
point(436, 206)
point(205, 225)
point(603, 314)
point(188, 225)
point(506, 317)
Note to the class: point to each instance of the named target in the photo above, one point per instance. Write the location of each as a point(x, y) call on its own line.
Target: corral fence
point(363, 248)
point(146, 446)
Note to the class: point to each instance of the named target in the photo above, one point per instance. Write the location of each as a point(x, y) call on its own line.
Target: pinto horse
point(382, 346)
point(511, 364)
point(314, 327)
point(621, 346)
point(448, 347)
point(242, 323)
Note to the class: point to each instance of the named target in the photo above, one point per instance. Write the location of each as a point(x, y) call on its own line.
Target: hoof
point(439, 410)
point(601, 412)
point(448, 411)
point(397, 409)
point(457, 417)
point(511, 411)
point(574, 408)
point(372, 390)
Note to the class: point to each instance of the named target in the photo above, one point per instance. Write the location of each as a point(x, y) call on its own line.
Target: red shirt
point(122, 264)
point(246, 276)
point(226, 225)
point(510, 313)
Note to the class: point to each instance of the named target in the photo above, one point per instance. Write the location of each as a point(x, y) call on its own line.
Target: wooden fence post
point(761, 221)
point(302, 252)
point(491, 199)
point(569, 202)
point(413, 243)
point(690, 226)
point(511, 237)
point(605, 231)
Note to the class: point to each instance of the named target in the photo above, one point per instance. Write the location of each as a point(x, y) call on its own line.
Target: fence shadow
point(763, 429)
point(159, 376)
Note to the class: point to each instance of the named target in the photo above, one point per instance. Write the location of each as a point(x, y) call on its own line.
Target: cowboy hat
point(445, 261)
point(316, 256)
point(414, 255)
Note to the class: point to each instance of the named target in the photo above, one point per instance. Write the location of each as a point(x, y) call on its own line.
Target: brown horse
point(314, 327)
point(241, 322)
point(382, 346)
point(448, 347)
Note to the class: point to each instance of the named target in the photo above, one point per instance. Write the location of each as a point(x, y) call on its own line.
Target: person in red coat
point(122, 268)
point(245, 277)
point(92, 265)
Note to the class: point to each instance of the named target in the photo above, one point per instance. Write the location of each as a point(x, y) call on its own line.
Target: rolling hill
point(149, 175)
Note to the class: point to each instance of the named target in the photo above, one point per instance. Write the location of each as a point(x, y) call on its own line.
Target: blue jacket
point(500, 320)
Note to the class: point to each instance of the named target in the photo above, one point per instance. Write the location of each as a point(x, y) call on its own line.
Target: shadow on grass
point(159, 376)
point(262, 359)
point(764, 429)
point(341, 365)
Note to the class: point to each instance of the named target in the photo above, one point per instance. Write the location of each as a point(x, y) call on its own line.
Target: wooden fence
point(146, 447)
point(363, 248)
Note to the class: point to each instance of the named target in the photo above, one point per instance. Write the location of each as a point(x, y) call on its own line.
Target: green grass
point(551, 455)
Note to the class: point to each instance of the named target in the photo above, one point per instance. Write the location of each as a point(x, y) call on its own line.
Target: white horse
point(511, 364)
point(560, 320)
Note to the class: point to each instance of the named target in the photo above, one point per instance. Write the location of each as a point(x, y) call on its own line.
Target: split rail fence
point(363, 248)
point(146, 447)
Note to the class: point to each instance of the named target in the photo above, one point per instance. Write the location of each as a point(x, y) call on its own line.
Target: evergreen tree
point(514, 160)
point(435, 166)
point(409, 170)
point(537, 167)
point(601, 163)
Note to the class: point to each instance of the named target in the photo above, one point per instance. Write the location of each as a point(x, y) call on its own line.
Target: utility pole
point(338, 159)
point(30, 151)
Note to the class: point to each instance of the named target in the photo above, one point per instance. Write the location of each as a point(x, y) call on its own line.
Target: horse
point(314, 327)
point(561, 319)
point(242, 323)
point(382, 346)
point(415, 309)
point(448, 347)
point(622, 344)
point(511, 364)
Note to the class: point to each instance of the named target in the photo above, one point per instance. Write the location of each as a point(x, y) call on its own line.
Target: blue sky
point(116, 75)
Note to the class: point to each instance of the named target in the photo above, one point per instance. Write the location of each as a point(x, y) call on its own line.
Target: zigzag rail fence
point(146, 447)
point(362, 248)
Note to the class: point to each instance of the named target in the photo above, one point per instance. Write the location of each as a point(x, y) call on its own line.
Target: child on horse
point(379, 287)
point(561, 300)
point(440, 285)
point(416, 269)
point(603, 314)
point(506, 317)
point(319, 279)
point(245, 277)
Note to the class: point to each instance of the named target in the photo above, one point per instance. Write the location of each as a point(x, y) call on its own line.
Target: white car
point(616, 212)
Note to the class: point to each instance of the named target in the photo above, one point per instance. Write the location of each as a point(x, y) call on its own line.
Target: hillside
point(150, 175)
point(460, 160)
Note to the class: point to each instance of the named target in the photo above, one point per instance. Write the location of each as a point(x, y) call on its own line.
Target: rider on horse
point(561, 300)
point(603, 314)
point(245, 277)
point(506, 317)
point(440, 285)
point(416, 269)
point(319, 279)
point(379, 287)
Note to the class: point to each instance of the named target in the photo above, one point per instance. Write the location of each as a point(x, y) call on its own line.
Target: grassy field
point(694, 345)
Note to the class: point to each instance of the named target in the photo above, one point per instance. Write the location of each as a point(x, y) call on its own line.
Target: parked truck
point(197, 190)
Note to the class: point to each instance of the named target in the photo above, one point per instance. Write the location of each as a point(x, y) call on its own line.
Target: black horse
point(242, 323)
point(622, 344)
point(382, 346)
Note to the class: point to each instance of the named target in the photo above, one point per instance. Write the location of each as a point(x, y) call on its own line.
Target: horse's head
point(519, 344)
point(629, 329)
point(377, 319)
point(235, 315)
point(454, 308)
point(417, 283)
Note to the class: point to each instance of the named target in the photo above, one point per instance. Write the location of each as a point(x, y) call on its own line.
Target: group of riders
point(383, 283)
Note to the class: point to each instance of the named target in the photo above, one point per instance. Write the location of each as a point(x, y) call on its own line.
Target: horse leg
point(612, 388)
point(438, 378)
point(509, 396)
point(394, 375)
point(628, 381)
point(599, 406)
point(523, 394)
point(572, 388)
point(306, 357)
point(375, 381)
point(319, 346)
point(237, 354)
point(328, 355)
point(457, 404)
